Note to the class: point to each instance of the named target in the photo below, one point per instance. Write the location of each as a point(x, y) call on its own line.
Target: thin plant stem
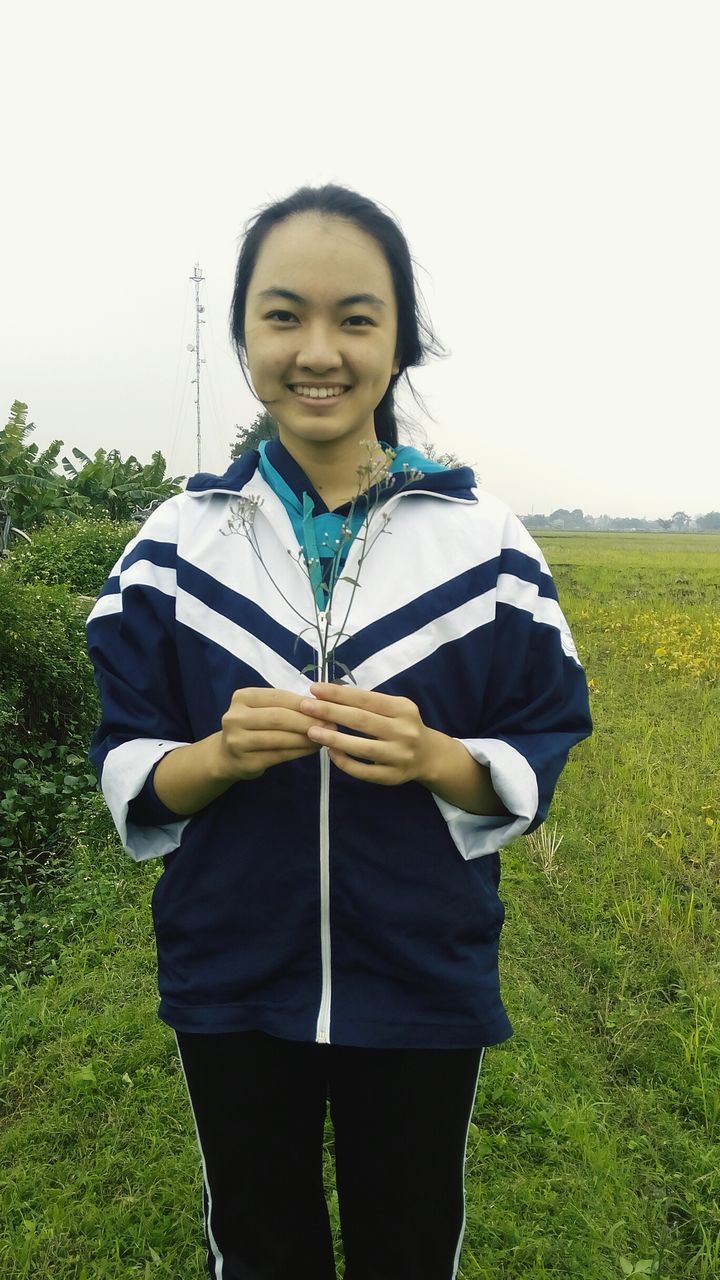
point(242, 522)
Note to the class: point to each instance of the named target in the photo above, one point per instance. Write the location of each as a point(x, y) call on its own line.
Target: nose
point(318, 349)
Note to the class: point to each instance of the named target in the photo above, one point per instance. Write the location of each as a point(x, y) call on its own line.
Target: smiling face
point(324, 334)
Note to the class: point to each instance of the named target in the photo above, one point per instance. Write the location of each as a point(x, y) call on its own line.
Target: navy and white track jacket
point(306, 903)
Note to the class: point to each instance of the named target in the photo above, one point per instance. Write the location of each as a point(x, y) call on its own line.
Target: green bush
point(48, 710)
point(77, 554)
point(43, 794)
point(47, 680)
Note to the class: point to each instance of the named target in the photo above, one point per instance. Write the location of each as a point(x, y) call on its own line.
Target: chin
point(319, 435)
point(322, 428)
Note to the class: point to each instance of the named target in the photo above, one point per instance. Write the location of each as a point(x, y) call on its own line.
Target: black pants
point(401, 1119)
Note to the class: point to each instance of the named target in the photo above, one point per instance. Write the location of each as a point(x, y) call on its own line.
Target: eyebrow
point(371, 299)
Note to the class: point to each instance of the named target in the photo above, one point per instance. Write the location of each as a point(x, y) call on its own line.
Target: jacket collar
point(233, 480)
point(456, 483)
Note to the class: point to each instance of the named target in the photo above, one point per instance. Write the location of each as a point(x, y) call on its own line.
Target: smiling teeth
point(319, 393)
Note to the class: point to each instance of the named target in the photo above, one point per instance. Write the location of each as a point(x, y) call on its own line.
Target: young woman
point(334, 682)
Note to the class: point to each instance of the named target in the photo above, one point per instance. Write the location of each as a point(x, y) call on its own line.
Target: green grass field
point(593, 1152)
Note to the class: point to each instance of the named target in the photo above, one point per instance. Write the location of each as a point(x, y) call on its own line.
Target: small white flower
point(242, 518)
point(242, 514)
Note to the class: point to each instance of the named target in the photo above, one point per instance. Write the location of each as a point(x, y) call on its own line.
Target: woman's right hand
point(261, 728)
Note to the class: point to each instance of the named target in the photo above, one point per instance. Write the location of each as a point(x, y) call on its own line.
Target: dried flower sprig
point(242, 521)
point(243, 514)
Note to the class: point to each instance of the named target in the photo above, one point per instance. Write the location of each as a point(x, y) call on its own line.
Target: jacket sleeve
point(131, 642)
point(536, 705)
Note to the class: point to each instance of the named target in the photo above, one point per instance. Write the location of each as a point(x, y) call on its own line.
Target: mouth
point(318, 400)
point(317, 395)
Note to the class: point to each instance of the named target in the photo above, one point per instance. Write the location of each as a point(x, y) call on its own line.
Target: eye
point(277, 314)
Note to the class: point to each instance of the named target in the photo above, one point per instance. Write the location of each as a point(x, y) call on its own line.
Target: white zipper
point(322, 1034)
point(322, 1031)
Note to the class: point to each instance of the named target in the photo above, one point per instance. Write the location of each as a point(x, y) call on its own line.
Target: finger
point(253, 719)
point(243, 743)
point(365, 722)
point(358, 769)
point(359, 748)
point(267, 697)
point(310, 749)
point(383, 704)
point(266, 759)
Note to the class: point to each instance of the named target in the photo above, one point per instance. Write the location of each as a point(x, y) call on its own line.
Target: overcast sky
point(553, 164)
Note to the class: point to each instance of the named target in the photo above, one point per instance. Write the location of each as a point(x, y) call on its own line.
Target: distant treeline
point(680, 522)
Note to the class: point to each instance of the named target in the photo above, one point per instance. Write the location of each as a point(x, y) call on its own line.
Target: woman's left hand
point(396, 745)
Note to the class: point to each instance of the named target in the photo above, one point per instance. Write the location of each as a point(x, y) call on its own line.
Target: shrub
point(77, 554)
point(47, 679)
point(41, 792)
point(48, 710)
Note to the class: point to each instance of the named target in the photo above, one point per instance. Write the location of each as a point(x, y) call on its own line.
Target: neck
point(339, 474)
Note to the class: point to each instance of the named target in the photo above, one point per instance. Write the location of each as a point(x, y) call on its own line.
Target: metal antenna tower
point(197, 277)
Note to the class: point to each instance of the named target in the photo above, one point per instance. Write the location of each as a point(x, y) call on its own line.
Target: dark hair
point(415, 339)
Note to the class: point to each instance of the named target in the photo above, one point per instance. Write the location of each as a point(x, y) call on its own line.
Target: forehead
point(311, 253)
